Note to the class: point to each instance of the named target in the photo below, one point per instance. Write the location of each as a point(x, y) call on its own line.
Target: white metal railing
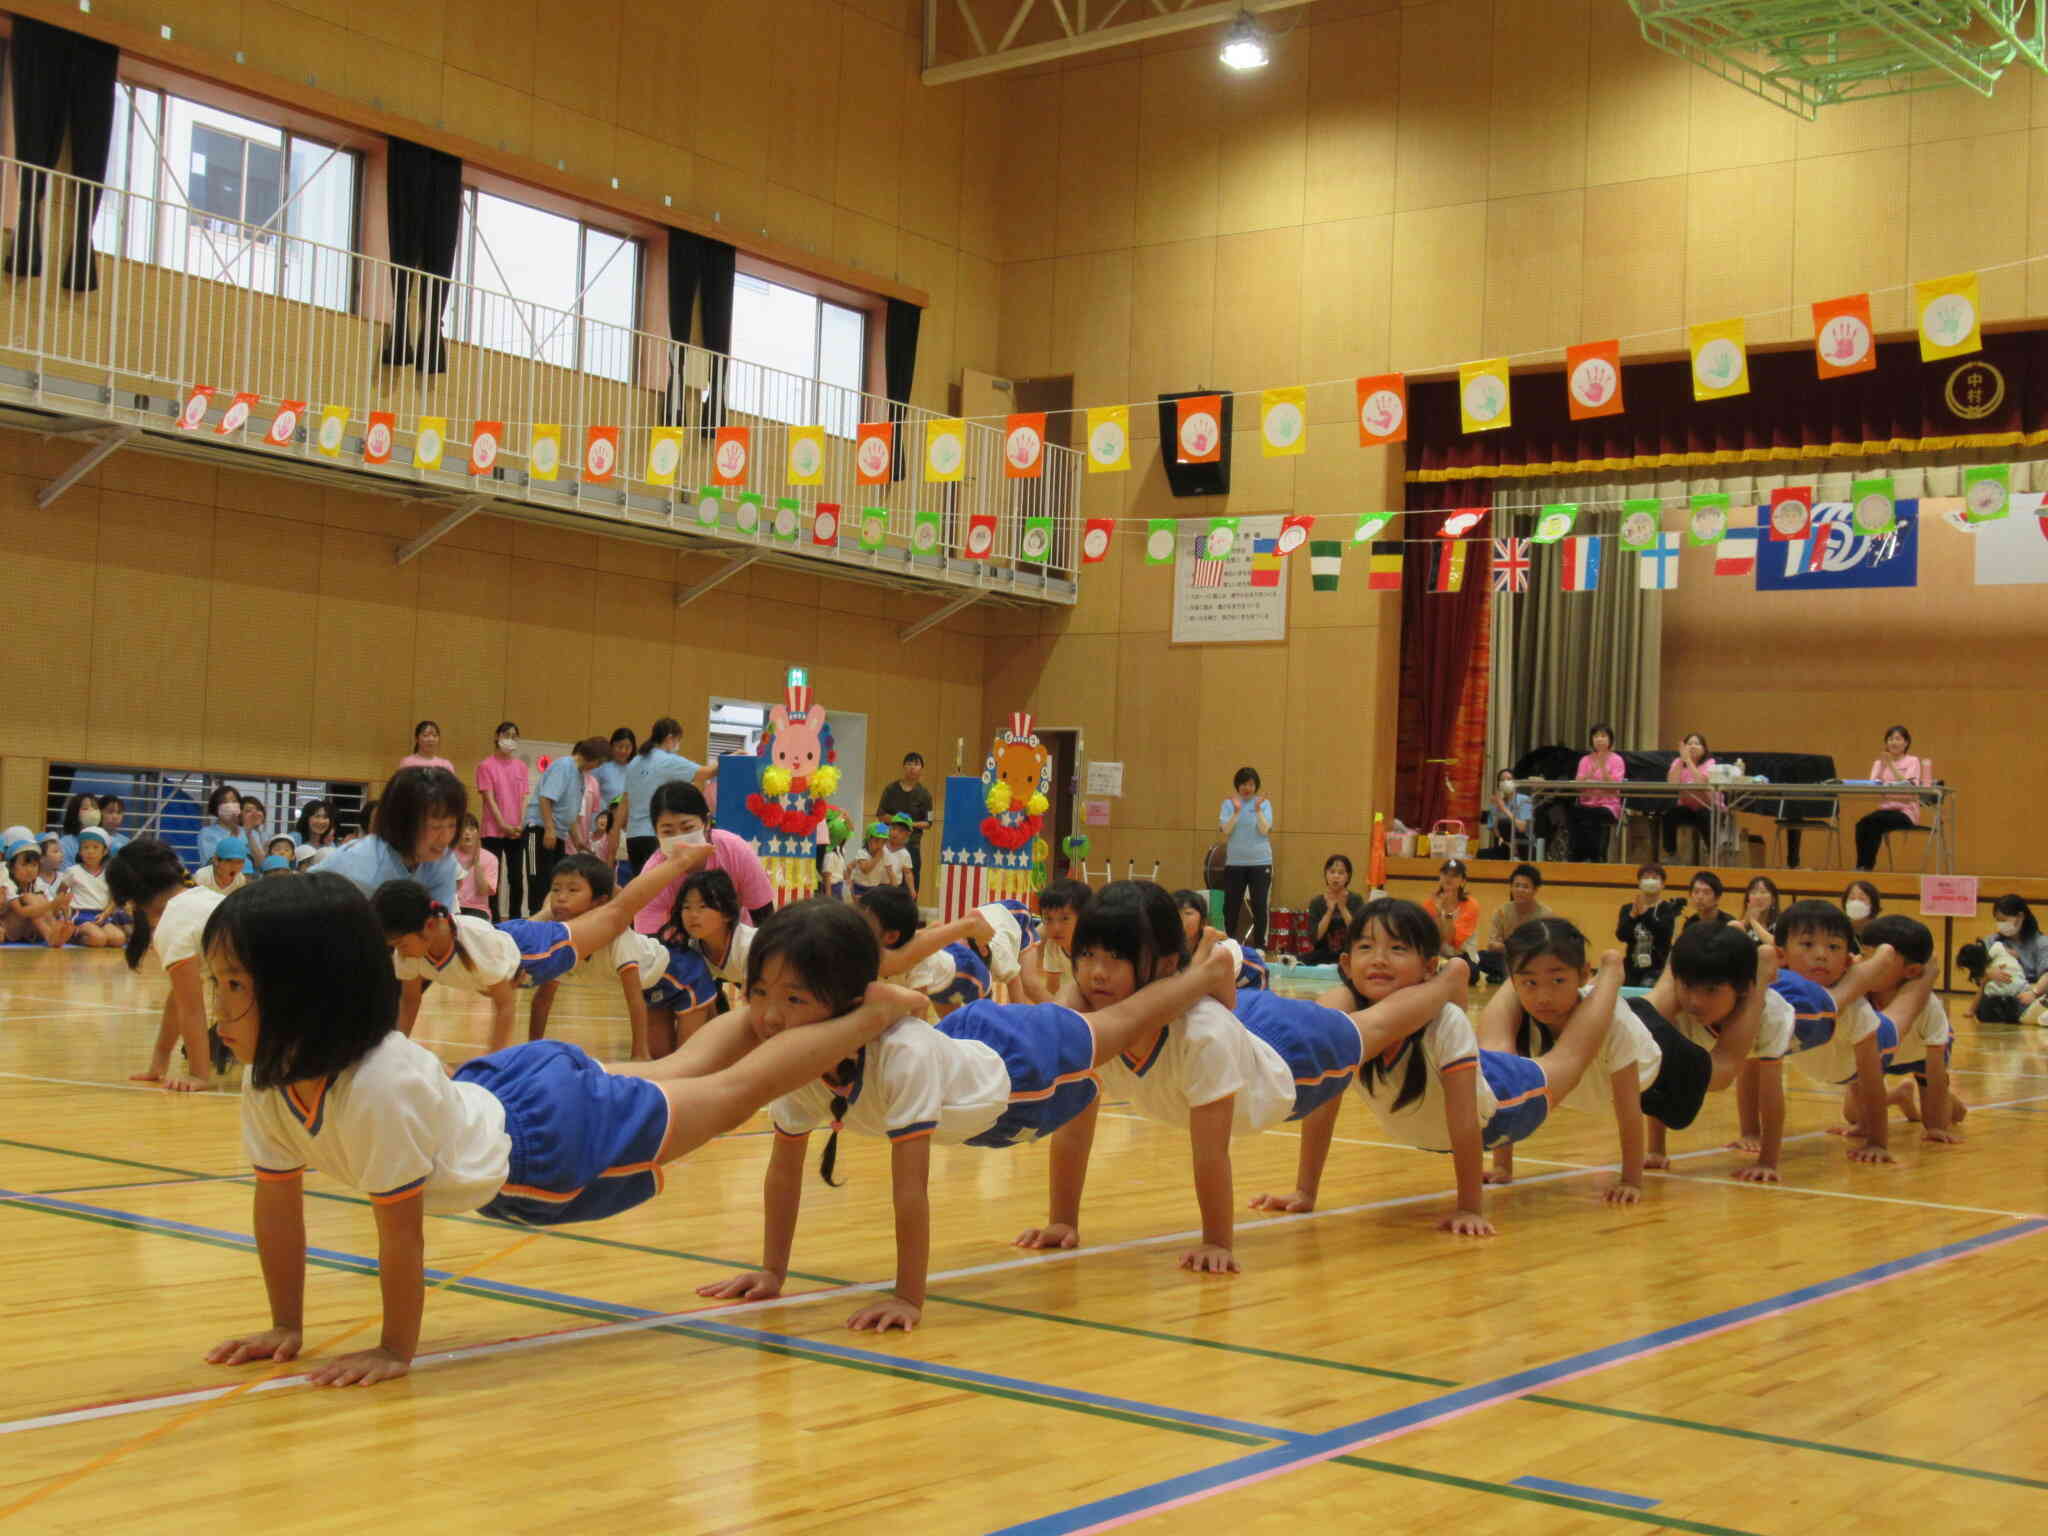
point(170, 803)
point(130, 350)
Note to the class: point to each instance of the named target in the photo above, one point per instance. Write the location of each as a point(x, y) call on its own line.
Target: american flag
point(1209, 573)
point(1510, 565)
point(986, 875)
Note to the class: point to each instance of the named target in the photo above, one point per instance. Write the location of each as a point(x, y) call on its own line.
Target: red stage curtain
point(1444, 649)
point(1998, 398)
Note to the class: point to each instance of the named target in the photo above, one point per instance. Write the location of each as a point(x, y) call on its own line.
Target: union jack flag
point(1510, 565)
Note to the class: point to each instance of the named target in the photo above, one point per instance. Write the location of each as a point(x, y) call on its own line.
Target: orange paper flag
point(377, 441)
point(732, 449)
point(1024, 446)
point(1841, 336)
point(874, 452)
point(484, 440)
point(1382, 410)
point(1198, 437)
point(1592, 378)
point(600, 454)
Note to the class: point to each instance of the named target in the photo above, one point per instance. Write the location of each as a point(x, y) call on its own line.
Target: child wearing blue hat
point(32, 914)
point(85, 882)
point(228, 870)
point(277, 864)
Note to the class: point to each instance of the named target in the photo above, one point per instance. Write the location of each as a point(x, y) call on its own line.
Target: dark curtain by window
point(61, 80)
point(425, 210)
point(1994, 398)
point(899, 366)
point(717, 264)
point(685, 274)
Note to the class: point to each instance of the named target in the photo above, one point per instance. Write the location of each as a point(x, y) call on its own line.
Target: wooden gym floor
point(1859, 1349)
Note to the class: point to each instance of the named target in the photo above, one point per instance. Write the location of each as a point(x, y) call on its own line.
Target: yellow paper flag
point(807, 456)
point(1949, 309)
point(664, 454)
point(428, 439)
point(1483, 395)
point(544, 452)
point(1283, 421)
point(1109, 440)
point(333, 428)
point(1720, 360)
point(945, 449)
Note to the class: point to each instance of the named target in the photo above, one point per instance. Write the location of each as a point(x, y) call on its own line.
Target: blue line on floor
point(1309, 1450)
point(1582, 1491)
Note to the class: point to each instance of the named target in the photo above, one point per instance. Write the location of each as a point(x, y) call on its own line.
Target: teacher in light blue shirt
point(413, 837)
point(1247, 822)
point(659, 761)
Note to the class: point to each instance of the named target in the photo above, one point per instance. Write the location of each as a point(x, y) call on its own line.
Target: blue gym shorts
point(584, 1142)
point(1521, 1096)
point(1050, 1053)
point(545, 952)
point(1320, 1045)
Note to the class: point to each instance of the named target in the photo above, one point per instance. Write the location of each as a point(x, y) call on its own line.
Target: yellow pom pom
point(774, 781)
point(999, 797)
point(1037, 805)
point(825, 780)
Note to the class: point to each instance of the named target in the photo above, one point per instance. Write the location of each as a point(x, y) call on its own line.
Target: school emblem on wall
point(1974, 390)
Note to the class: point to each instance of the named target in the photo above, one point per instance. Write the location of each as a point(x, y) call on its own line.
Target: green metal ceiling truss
point(1803, 55)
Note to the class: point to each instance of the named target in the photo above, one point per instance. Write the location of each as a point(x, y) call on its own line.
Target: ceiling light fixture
point(1244, 47)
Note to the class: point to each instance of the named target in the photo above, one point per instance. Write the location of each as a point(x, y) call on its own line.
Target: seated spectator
point(1594, 817)
point(1510, 818)
point(1861, 902)
point(1704, 906)
point(1333, 914)
point(1691, 810)
point(1520, 907)
point(1645, 927)
point(1760, 909)
point(1456, 913)
point(2023, 939)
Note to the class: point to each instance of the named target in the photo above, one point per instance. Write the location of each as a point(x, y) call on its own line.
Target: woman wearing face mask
point(223, 819)
point(2022, 937)
point(1647, 919)
point(1510, 817)
point(504, 780)
point(681, 819)
point(1861, 903)
point(80, 811)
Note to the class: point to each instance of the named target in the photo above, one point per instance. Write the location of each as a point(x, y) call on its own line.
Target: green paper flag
point(1987, 492)
point(788, 512)
point(1220, 540)
point(1873, 508)
point(1556, 522)
point(1369, 525)
point(1159, 540)
point(1035, 543)
point(710, 501)
point(874, 527)
point(1640, 522)
point(924, 533)
point(747, 518)
point(1709, 521)
point(1325, 563)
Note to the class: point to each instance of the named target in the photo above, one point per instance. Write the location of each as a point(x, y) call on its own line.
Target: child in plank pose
point(1194, 922)
point(652, 976)
point(1207, 1070)
point(1833, 1024)
point(1648, 1072)
point(988, 1075)
point(1046, 965)
point(940, 961)
point(1437, 1089)
point(1717, 974)
point(167, 912)
point(303, 992)
point(1913, 1031)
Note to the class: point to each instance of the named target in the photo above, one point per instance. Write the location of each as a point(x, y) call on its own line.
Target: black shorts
point(1675, 1098)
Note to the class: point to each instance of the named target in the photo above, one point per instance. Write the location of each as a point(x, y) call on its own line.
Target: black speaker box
point(1193, 479)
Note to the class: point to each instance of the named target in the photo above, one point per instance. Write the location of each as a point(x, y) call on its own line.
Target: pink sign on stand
point(1095, 812)
point(1948, 895)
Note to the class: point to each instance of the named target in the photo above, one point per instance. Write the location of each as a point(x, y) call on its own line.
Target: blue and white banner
point(1846, 560)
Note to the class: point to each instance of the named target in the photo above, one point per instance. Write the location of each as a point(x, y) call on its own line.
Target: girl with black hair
point(318, 835)
point(426, 748)
point(34, 912)
point(430, 944)
point(99, 926)
point(706, 921)
point(940, 961)
point(412, 837)
point(1438, 1090)
point(1205, 1068)
point(1760, 908)
point(302, 991)
point(80, 811)
point(168, 913)
point(1644, 1069)
point(1193, 907)
point(990, 1075)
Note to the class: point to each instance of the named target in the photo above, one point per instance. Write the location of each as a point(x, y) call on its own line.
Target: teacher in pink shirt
point(1897, 766)
point(1593, 818)
point(681, 817)
point(1691, 810)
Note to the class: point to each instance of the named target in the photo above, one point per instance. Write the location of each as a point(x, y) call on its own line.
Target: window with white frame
point(812, 355)
point(546, 286)
point(229, 198)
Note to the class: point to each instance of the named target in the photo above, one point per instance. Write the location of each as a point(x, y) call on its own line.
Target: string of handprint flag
point(1948, 323)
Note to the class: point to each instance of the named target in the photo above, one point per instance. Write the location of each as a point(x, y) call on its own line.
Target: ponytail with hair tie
point(847, 1071)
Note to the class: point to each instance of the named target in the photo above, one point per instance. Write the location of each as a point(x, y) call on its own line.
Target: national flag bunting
point(1325, 564)
point(1266, 562)
point(1735, 555)
point(1208, 573)
point(1383, 574)
point(1450, 567)
point(1578, 567)
point(1511, 565)
point(1657, 564)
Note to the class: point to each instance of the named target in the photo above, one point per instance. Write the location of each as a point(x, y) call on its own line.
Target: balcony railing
point(132, 347)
